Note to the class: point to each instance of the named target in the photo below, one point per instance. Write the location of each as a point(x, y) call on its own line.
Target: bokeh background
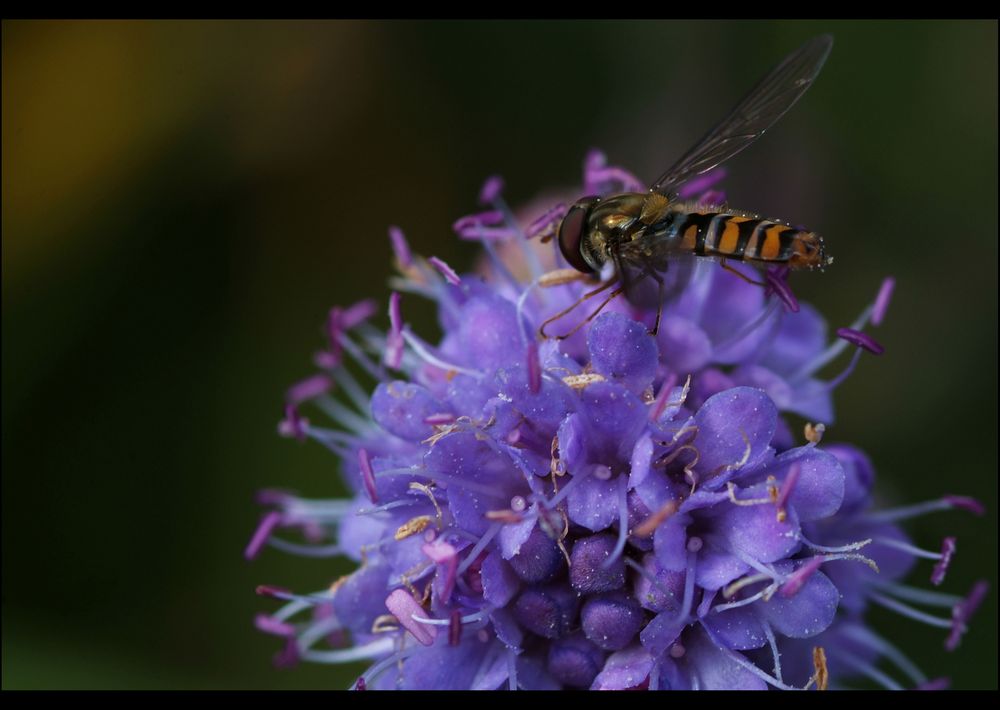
point(182, 201)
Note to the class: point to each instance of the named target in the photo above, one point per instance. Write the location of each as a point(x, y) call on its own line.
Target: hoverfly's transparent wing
point(759, 110)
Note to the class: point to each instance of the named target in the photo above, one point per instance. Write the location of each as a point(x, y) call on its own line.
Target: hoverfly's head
point(808, 252)
point(574, 242)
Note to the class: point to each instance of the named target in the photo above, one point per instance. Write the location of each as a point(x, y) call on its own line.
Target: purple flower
point(604, 510)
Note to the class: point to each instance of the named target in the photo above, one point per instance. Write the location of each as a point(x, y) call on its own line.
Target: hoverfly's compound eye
point(571, 233)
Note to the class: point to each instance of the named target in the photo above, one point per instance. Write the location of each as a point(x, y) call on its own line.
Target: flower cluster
point(605, 509)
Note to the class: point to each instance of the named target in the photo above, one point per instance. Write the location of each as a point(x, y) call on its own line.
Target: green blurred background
point(183, 201)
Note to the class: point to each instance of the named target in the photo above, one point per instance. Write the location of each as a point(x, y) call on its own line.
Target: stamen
point(660, 403)
point(534, 368)
point(941, 568)
point(264, 529)
point(293, 425)
point(478, 548)
point(862, 340)
point(906, 547)
point(777, 284)
point(306, 550)
point(920, 596)
point(942, 683)
point(342, 415)
point(850, 547)
point(822, 676)
point(875, 642)
point(799, 577)
point(912, 511)
point(551, 217)
point(480, 219)
point(870, 671)
point(491, 189)
point(693, 546)
point(382, 666)
point(511, 669)
point(309, 388)
point(909, 612)
point(394, 341)
point(648, 526)
point(405, 608)
point(367, 475)
point(764, 594)
point(445, 555)
point(814, 433)
point(730, 591)
point(423, 351)
point(404, 258)
point(574, 480)
point(455, 628)
point(882, 300)
point(580, 382)
point(270, 625)
point(508, 517)
point(854, 558)
point(773, 643)
point(963, 612)
point(786, 490)
point(731, 487)
point(412, 527)
point(449, 275)
point(622, 523)
point(740, 659)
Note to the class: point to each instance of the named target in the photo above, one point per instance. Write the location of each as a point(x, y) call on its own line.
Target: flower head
point(604, 510)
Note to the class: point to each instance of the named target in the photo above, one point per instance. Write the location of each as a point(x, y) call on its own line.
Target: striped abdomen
point(744, 237)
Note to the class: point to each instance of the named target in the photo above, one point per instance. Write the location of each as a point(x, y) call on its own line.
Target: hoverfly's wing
point(759, 110)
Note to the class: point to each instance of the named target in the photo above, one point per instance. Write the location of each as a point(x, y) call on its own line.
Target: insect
point(640, 234)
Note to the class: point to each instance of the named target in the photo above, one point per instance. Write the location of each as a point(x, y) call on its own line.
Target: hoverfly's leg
point(590, 294)
point(611, 296)
point(659, 302)
point(727, 267)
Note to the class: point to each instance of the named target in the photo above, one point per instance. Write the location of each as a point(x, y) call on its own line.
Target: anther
point(412, 527)
point(648, 526)
point(814, 432)
point(822, 675)
point(694, 544)
point(862, 340)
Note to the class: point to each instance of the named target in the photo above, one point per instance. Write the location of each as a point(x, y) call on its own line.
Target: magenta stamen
point(400, 248)
point(326, 360)
point(701, 183)
point(963, 612)
point(800, 576)
point(264, 529)
point(662, 397)
point(440, 419)
point(310, 387)
point(455, 628)
point(479, 232)
point(273, 496)
point(789, 484)
point(966, 503)
point(288, 656)
point(293, 425)
point(534, 368)
point(712, 197)
point(360, 684)
point(270, 625)
point(942, 683)
point(941, 568)
point(267, 590)
point(551, 216)
point(367, 475)
point(862, 340)
point(446, 556)
point(357, 313)
point(449, 275)
point(394, 341)
point(481, 219)
point(777, 284)
point(404, 607)
point(882, 300)
point(491, 189)
point(629, 182)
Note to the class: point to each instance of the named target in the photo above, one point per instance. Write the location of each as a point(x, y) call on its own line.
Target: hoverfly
point(641, 234)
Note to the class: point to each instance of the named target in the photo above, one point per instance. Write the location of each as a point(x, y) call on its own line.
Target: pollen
point(413, 526)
